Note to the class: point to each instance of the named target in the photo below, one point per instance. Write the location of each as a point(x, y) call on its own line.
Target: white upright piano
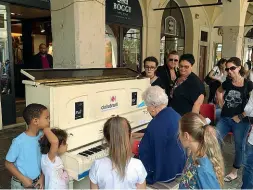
point(80, 101)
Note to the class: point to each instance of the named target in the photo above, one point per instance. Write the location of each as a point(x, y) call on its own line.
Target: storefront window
point(122, 47)
point(111, 48)
point(173, 31)
point(169, 44)
point(131, 48)
point(218, 51)
point(4, 52)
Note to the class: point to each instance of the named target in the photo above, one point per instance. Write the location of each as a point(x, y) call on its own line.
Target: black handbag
point(209, 80)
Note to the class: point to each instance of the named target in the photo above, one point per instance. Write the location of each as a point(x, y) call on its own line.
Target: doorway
point(202, 62)
point(22, 30)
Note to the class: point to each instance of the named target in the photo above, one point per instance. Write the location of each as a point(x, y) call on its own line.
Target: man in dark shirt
point(168, 73)
point(42, 60)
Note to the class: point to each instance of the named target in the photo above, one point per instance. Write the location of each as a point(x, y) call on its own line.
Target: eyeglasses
point(175, 60)
point(184, 66)
point(150, 68)
point(231, 68)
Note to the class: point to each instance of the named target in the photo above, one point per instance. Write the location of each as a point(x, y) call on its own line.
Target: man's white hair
point(155, 96)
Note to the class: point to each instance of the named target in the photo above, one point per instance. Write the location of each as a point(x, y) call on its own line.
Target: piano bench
point(161, 185)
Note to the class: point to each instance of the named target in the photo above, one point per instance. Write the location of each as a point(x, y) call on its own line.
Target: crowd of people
point(178, 142)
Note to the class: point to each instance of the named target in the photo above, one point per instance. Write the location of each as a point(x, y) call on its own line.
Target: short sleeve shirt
point(55, 175)
point(235, 98)
point(25, 154)
point(186, 94)
point(218, 74)
point(106, 177)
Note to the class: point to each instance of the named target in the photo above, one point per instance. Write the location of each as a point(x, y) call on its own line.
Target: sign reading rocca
point(42, 4)
point(124, 12)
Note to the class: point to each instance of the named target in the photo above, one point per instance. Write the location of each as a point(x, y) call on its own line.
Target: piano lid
point(54, 77)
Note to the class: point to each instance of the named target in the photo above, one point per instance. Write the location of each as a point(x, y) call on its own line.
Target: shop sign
point(124, 12)
point(42, 4)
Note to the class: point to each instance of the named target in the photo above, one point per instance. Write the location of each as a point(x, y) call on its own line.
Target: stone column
point(78, 29)
point(233, 29)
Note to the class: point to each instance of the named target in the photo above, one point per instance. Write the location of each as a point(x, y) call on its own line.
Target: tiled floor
point(6, 137)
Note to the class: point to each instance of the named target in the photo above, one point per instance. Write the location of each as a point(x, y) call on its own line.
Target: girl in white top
point(218, 75)
point(53, 144)
point(118, 170)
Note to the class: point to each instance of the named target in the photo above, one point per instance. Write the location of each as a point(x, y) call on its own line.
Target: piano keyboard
point(78, 164)
point(94, 153)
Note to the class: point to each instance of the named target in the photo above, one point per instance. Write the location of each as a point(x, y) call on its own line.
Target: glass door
point(6, 68)
point(131, 48)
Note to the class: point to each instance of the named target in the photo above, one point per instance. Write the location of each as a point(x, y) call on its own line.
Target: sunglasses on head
point(231, 68)
point(175, 60)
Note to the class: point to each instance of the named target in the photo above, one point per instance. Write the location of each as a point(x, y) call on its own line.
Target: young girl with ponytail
point(204, 168)
point(119, 170)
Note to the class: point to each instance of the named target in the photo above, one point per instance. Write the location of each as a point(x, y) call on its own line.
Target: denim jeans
point(240, 132)
point(217, 114)
point(247, 175)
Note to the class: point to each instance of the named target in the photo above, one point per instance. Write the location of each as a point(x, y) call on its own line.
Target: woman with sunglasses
point(150, 66)
point(188, 93)
point(169, 72)
point(233, 119)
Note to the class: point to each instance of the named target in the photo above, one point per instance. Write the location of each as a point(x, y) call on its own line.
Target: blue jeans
point(218, 112)
point(247, 175)
point(240, 132)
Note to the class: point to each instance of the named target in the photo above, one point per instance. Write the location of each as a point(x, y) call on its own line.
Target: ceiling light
point(42, 28)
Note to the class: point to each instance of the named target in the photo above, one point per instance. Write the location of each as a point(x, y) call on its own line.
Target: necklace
point(238, 81)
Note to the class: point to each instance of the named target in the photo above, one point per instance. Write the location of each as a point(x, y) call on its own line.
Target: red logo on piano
point(113, 99)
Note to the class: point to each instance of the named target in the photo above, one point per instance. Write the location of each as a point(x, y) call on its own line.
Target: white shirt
point(249, 112)
point(102, 174)
point(221, 76)
point(55, 175)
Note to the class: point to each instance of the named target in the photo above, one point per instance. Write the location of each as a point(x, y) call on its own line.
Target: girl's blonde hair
point(117, 132)
point(196, 126)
